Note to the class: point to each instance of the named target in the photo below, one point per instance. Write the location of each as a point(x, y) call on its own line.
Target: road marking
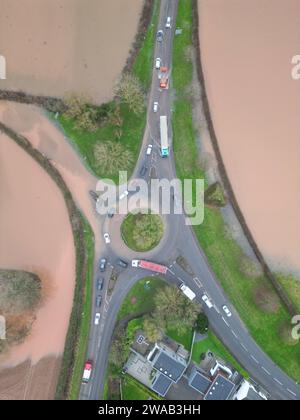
point(225, 321)
point(198, 282)
point(233, 333)
point(276, 380)
point(265, 370)
point(217, 309)
point(244, 347)
point(172, 272)
point(291, 392)
point(255, 360)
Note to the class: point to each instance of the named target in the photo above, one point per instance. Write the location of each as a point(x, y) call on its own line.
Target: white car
point(226, 310)
point(155, 106)
point(123, 195)
point(106, 238)
point(97, 318)
point(207, 301)
point(168, 22)
point(149, 150)
point(157, 63)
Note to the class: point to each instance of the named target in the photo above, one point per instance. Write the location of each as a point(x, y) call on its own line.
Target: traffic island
point(142, 232)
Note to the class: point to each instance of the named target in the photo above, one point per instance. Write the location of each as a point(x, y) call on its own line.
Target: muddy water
point(55, 46)
point(36, 236)
point(246, 50)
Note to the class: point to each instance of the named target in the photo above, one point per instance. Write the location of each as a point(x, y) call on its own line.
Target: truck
point(87, 371)
point(164, 78)
point(148, 265)
point(164, 140)
point(187, 291)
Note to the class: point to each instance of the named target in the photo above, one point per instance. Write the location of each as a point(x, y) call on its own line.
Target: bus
point(164, 141)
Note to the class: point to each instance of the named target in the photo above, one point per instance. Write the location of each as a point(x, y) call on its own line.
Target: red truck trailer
point(148, 265)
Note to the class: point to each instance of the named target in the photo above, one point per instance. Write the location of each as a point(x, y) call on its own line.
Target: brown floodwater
point(36, 236)
point(246, 50)
point(57, 46)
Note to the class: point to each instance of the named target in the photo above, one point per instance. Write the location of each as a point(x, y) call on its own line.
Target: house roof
point(161, 384)
point(170, 366)
point(199, 382)
point(220, 389)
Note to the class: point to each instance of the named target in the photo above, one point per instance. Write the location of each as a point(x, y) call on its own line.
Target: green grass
point(133, 126)
point(80, 355)
point(213, 344)
point(184, 339)
point(142, 232)
point(141, 297)
point(223, 253)
point(133, 390)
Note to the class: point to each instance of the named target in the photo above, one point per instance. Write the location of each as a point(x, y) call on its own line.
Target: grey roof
point(161, 384)
point(199, 382)
point(220, 389)
point(170, 366)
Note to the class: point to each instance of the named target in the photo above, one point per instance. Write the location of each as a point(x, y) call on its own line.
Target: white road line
point(244, 347)
point(276, 380)
point(291, 392)
point(225, 321)
point(253, 358)
point(172, 272)
point(217, 309)
point(233, 333)
point(265, 370)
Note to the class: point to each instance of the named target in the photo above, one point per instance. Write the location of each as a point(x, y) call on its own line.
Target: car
point(106, 238)
point(123, 195)
point(123, 263)
point(103, 263)
point(160, 35)
point(168, 22)
point(207, 301)
point(226, 310)
point(149, 150)
point(111, 213)
point(157, 63)
point(143, 170)
point(97, 318)
point(155, 106)
point(100, 283)
point(98, 301)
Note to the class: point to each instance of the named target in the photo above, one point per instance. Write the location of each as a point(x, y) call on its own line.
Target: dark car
point(100, 283)
point(143, 170)
point(98, 300)
point(123, 263)
point(111, 213)
point(159, 36)
point(103, 264)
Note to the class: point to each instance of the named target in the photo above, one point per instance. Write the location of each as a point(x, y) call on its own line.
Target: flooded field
point(36, 236)
point(246, 50)
point(56, 46)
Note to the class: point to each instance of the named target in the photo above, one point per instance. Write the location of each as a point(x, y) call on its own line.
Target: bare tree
point(130, 92)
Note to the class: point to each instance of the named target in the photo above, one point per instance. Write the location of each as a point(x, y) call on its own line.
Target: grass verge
point(268, 327)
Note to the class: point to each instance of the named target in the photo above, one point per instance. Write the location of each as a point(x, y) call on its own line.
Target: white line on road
point(291, 392)
point(217, 309)
point(172, 272)
point(244, 347)
point(265, 370)
point(233, 333)
point(253, 358)
point(225, 321)
point(276, 380)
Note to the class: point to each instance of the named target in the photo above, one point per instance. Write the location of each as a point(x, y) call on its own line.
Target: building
point(165, 368)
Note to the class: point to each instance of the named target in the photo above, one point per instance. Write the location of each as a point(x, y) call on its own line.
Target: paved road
point(182, 242)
